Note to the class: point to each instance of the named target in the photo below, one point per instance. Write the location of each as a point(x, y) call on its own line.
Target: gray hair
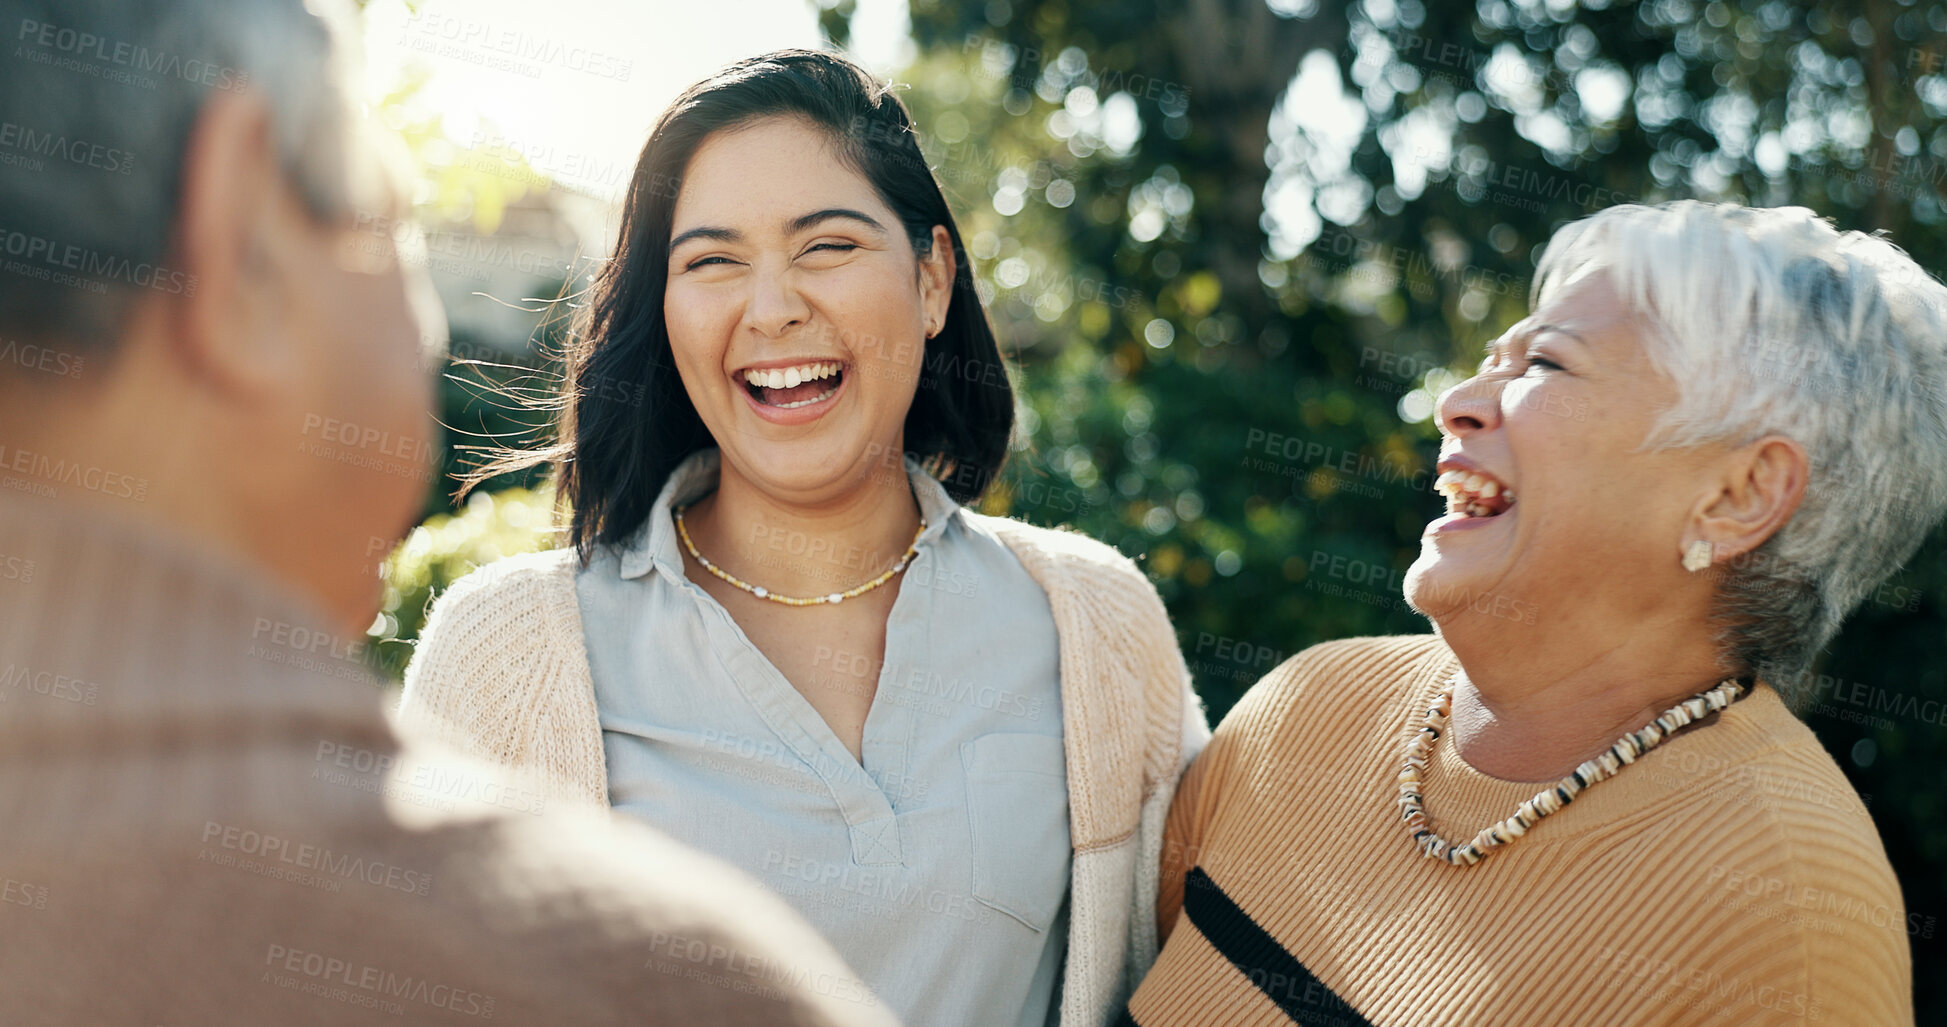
point(1771, 321)
point(96, 106)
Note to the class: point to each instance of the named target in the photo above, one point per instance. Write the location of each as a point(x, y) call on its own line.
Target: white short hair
point(1771, 321)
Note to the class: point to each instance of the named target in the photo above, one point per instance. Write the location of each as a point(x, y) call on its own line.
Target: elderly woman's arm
point(1202, 787)
point(1180, 843)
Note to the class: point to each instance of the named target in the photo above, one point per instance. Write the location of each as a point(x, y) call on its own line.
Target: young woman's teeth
point(820, 398)
point(790, 377)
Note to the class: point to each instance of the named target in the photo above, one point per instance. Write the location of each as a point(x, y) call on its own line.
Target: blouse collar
point(655, 545)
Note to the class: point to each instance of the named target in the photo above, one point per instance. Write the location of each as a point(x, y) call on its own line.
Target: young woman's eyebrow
point(707, 232)
point(795, 226)
point(799, 224)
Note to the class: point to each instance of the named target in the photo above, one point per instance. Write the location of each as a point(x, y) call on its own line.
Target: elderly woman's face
point(1557, 517)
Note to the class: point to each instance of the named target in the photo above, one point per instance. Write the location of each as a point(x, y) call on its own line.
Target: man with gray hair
point(212, 401)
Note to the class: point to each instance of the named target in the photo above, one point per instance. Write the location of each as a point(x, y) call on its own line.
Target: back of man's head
point(200, 302)
point(97, 106)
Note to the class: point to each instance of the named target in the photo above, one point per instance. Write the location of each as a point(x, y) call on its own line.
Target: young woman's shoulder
point(507, 602)
point(514, 576)
point(515, 619)
point(1129, 685)
point(1066, 554)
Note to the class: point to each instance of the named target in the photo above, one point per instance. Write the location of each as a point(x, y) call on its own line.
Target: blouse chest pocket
point(1017, 810)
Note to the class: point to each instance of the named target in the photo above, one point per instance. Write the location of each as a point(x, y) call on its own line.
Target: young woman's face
point(798, 310)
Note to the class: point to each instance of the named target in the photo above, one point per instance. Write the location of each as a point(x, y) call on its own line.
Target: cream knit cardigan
point(502, 672)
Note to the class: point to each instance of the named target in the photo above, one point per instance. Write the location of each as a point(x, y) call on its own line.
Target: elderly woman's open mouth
point(1473, 493)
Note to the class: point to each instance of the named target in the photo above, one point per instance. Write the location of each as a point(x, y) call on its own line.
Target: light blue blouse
point(940, 867)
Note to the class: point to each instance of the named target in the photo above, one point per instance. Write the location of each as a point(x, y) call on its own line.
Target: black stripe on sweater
point(1258, 956)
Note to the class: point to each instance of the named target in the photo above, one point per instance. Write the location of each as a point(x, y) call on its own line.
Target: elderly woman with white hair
point(1719, 429)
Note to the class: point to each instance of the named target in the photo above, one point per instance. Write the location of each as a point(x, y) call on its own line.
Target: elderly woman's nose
point(1469, 407)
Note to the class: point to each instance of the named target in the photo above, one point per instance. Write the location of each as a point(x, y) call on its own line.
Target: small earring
point(1697, 556)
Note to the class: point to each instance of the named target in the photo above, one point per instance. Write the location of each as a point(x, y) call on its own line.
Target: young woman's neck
point(806, 549)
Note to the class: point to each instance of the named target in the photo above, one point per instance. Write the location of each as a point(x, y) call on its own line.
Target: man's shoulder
point(625, 918)
point(550, 910)
point(290, 879)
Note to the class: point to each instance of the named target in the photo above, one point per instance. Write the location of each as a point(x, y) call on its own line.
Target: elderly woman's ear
point(1758, 488)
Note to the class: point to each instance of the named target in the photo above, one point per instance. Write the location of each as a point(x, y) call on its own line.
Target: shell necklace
point(1601, 768)
point(761, 592)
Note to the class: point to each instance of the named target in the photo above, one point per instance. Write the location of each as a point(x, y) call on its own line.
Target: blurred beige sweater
point(502, 673)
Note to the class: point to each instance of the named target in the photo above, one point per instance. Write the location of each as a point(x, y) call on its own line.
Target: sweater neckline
point(1460, 800)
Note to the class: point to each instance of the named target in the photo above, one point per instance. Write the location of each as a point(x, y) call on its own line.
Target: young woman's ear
point(937, 269)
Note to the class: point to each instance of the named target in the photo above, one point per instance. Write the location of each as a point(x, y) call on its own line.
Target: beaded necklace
point(1601, 768)
point(761, 592)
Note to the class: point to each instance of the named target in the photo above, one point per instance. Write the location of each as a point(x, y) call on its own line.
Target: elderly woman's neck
point(1535, 713)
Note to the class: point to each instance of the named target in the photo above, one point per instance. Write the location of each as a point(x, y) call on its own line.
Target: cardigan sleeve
point(501, 674)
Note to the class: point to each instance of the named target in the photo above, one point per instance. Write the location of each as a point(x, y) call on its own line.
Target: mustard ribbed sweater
point(1731, 876)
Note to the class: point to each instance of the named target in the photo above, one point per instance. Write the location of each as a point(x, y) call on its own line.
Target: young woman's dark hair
point(625, 421)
